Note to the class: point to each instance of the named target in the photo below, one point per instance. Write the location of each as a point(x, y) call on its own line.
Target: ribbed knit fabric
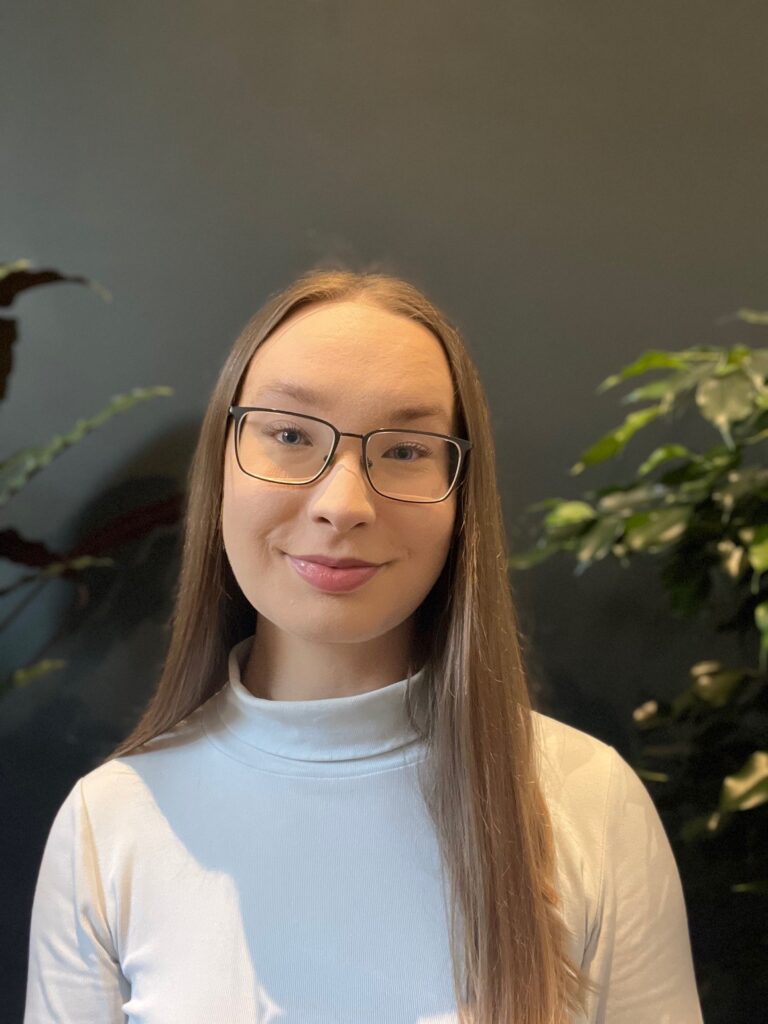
point(272, 861)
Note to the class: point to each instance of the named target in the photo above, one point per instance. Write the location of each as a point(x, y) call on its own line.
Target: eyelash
point(279, 428)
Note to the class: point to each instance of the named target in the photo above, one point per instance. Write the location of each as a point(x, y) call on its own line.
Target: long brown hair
point(511, 964)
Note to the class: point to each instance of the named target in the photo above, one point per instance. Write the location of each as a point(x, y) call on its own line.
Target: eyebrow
point(406, 413)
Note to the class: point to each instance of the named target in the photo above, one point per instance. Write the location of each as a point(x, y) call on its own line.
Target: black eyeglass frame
point(237, 412)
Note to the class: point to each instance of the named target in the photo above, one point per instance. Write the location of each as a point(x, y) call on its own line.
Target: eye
point(284, 428)
point(411, 446)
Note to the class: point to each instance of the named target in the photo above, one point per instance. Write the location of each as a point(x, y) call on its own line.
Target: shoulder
point(581, 772)
point(127, 791)
point(582, 780)
point(601, 808)
point(574, 766)
point(620, 889)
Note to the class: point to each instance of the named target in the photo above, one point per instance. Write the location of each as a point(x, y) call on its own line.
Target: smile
point(325, 577)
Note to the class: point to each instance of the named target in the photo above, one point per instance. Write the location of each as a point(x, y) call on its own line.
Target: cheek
point(232, 510)
point(431, 537)
point(247, 519)
point(250, 521)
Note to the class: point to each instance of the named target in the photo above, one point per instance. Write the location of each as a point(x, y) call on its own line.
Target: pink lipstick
point(331, 580)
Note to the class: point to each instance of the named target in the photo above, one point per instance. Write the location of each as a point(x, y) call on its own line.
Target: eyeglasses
point(427, 470)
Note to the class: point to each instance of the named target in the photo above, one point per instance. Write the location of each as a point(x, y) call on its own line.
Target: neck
point(347, 736)
point(287, 667)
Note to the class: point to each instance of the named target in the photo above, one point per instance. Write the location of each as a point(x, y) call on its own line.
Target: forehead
point(352, 353)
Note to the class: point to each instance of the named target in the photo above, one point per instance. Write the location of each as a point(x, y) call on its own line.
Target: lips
point(333, 579)
point(335, 563)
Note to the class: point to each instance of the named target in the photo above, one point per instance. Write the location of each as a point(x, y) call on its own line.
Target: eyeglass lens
point(293, 449)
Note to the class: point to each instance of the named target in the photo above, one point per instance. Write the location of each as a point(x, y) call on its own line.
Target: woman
point(340, 804)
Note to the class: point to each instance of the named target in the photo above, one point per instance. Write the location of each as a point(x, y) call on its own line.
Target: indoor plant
point(704, 517)
point(97, 549)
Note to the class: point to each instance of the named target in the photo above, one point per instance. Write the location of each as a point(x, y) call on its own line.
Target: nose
point(351, 457)
point(342, 495)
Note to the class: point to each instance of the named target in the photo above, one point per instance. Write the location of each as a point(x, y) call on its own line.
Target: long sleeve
point(639, 950)
point(73, 973)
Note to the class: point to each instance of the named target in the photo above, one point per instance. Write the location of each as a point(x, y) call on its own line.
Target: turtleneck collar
point(368, 731)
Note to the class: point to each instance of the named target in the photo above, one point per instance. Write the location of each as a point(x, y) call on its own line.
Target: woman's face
point(361, 362)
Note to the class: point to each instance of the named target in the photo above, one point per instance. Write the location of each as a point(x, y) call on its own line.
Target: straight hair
point(480, 778)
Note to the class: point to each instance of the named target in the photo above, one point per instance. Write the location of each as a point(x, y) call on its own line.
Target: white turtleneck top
point(272, 861)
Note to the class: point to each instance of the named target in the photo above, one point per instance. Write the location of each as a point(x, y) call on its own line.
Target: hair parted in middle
point(480, 780)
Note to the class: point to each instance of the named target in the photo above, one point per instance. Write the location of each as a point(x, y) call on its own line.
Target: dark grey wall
point(572, 182)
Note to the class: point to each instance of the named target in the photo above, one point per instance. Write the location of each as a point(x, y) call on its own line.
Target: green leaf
point(715, 684)
point(664, 454)
point(22, 676)
point(632, 499)
point(748, 787)
point(757, 552)
point(656, 529)
point(733, 558)
point(737, 354)
point(668, 388)
point(652, 776)
point(761, 621)
point(14, 459)
point(568, 514)
point(756, 364)
point(653, 359)
point(691, 492)
point(759, 887)
point(752, 316)
point(740, 483)
point(698, 827)
point(76, 564)
point(614, 441)
point(597, 542)
point(726, 400)
point(33, 460)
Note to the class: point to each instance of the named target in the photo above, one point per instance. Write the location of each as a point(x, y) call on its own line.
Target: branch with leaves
point(18, 469)
point(703, 515)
